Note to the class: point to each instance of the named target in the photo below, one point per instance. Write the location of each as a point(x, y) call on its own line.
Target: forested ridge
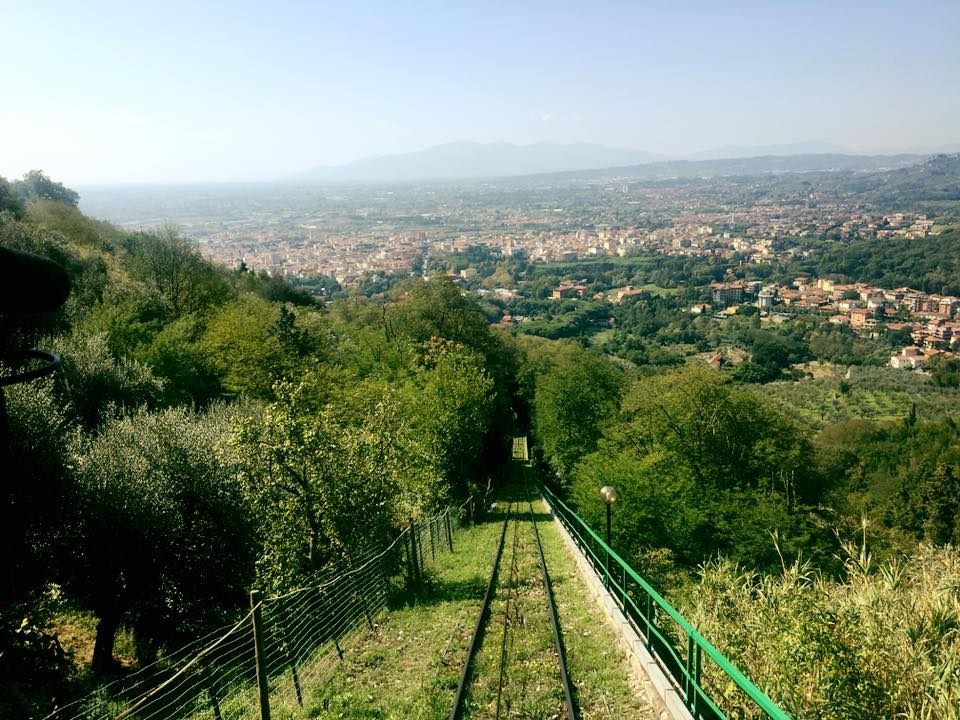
point(211, 431)
point(214, 430)
point(930, 264)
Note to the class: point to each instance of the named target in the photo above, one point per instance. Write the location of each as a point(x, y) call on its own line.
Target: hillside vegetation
point(214, 430)
point(211, 431)
point(818, 557)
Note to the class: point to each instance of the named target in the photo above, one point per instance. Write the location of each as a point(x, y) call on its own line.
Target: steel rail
point(481, 624)
point(511, 597)
point(569, 695)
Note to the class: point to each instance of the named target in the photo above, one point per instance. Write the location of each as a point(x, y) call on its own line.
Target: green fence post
point(333, 623)
point(263, 686)
point(213, 692)
point(413, 552)
point(649, 620)
point(291, 663)
point(623, 591)
point(696, 677)
point(449, 530)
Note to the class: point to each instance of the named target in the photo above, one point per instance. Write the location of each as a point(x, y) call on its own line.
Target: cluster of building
point(579, 290)
point(932, 321)
point(396, 232)
point(344, 256)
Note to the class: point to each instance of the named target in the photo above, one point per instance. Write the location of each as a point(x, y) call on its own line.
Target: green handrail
point(696, 643)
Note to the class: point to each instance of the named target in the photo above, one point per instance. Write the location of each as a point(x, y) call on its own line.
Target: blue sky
point(196, 91)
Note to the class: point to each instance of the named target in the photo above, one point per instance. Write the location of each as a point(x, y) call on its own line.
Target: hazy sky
point(179, 91)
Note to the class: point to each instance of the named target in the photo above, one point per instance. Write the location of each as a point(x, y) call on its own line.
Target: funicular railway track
point(512, 621)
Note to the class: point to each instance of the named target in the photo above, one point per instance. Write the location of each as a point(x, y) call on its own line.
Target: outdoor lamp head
point(609, 494)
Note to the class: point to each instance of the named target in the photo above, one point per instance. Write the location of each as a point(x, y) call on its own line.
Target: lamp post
point(610, 496)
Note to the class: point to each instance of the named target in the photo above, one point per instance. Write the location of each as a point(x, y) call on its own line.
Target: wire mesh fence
point(286, 646)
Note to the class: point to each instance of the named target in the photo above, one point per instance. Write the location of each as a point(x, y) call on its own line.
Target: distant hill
point(466, 160)
point(462, 160)
point(740, 151)
point(743, 167)
point(934, 179)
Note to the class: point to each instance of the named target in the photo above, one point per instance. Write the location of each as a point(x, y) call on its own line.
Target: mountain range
point(466, 160)
point(461, 160)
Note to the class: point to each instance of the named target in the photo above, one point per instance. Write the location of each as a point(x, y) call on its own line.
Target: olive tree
point(163, 539)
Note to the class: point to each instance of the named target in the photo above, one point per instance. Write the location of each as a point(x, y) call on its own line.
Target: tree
point(724, 437)
point(931, 504)
point(9, 200)
point(33, 514)
point(35, 517)
point(575, 394)
point(241, 342)
point(450, 403)
point(940, 500)
point(171, 265)
point(770, 356)
point(94, 386)
point(945, 371)
point(321, 470)
point(164, 536)
point(702, 468)
point(175, 354)
point(273, 287)
point(388, 339)
point(437, 308)
point(87, 271)
point(36, 186)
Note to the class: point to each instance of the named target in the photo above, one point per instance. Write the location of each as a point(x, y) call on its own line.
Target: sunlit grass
point(409, 667)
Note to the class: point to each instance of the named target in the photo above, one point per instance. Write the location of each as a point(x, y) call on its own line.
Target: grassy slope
point(409, 666)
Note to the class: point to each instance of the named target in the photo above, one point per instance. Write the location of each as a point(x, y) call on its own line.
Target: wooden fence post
point(421, 560)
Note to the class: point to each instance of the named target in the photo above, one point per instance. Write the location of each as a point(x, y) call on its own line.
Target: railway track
point(523, 615)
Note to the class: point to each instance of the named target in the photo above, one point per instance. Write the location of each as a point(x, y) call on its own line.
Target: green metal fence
point(679, 647)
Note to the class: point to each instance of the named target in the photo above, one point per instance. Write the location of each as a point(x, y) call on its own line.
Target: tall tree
point(321, 469)
point(577, 392)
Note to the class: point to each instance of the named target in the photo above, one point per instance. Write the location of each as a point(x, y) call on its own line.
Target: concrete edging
point(666, 701)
